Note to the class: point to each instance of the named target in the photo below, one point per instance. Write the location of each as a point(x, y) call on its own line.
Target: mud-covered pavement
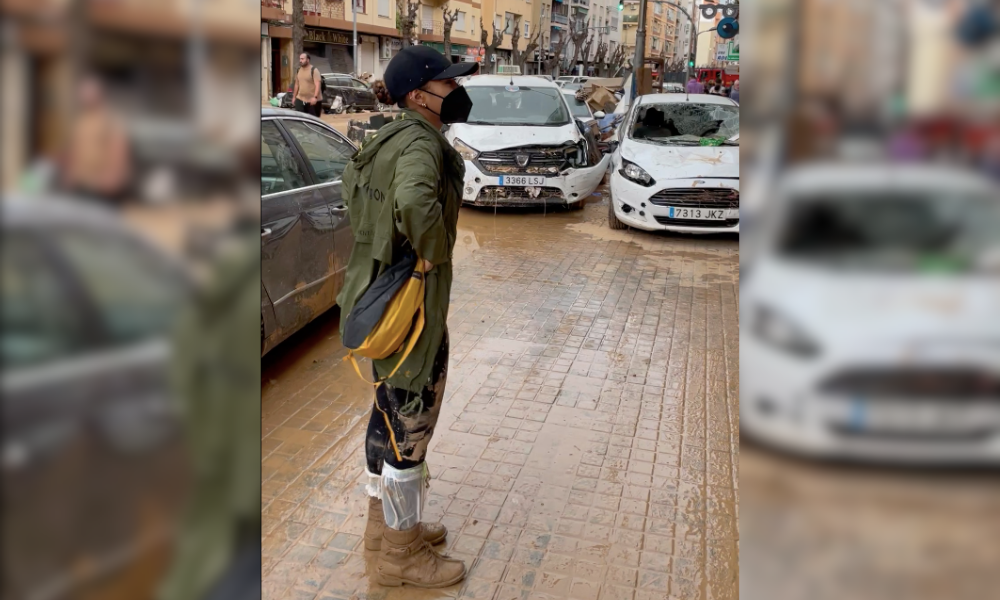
point(826, 530)
point(588, 443)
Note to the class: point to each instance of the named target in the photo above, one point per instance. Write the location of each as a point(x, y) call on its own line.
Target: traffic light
point(621, 4)
point(728, 28)
point(691, 64)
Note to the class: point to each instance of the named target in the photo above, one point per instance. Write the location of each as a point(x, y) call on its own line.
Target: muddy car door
point(296, 234)
point(326, 154)
point(89, 432)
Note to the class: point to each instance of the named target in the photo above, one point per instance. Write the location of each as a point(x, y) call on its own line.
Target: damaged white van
point(522, 146)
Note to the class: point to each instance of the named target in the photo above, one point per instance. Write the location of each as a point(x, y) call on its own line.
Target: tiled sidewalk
point(588, 444)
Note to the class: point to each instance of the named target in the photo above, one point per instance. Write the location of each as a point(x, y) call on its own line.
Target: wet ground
point(588, 443)
point(819, 530)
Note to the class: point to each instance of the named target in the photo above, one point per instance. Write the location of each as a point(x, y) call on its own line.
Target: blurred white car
point(522, 145)
point(677, 166)
point(870, 320)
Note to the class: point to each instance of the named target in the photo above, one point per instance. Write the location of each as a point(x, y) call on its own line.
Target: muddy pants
point(399, 432)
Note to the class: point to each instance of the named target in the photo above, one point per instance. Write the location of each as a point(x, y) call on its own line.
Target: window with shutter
point(428, 18)
point(460, 21)
point(383, 8)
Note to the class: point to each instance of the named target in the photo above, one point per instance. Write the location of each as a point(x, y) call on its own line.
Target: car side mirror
point(599, 114)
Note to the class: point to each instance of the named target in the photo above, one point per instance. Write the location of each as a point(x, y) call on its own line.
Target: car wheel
point(613, 221)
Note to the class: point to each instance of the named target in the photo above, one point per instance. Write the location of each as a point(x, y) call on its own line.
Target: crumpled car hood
point(491, 137)
point(683, 162)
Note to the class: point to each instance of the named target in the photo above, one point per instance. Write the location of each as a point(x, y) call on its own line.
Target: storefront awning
point(456, 49)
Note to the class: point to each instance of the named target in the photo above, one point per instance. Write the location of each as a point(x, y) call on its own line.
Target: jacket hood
point(370, 147)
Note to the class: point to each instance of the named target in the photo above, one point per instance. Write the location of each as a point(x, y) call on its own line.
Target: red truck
point(728, 75)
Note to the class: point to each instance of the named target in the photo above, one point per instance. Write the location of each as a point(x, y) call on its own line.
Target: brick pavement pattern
point(588, 444)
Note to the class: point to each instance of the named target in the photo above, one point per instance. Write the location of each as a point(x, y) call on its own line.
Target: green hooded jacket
point(216, 375)
point(404, 186)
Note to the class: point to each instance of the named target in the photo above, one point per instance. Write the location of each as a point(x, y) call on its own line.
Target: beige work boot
point(434, 533)
point(407, 558)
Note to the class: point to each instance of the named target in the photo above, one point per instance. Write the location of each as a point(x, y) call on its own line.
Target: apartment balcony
point(432, 27)
point(580, 2)
point(272, 10)
point(630, 18)
point(560, 19)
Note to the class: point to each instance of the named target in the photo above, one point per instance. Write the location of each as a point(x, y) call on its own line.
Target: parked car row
point(527, 142)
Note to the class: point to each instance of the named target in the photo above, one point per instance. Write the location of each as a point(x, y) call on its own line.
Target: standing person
point(307, 87)
point(694, 86)
point(215, 371)
point(716, 89)
point(735, 92)
point(403, 190)
point(97, 163)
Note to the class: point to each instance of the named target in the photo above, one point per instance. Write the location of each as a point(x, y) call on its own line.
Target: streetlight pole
point(640, 45)
point(354, 12)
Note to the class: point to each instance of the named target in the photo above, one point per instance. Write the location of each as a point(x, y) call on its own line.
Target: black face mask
point(455, 107)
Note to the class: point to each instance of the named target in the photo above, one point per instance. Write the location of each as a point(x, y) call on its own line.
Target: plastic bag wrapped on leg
point(373, 487)
point(403, 494)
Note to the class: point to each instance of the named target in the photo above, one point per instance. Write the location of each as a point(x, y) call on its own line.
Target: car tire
point(613, 221)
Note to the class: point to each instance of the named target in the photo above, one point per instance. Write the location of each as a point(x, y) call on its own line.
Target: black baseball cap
point(414, 66)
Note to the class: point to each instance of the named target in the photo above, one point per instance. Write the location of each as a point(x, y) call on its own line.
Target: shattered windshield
point(940, 232)
point(517, 105)
point(687, 124)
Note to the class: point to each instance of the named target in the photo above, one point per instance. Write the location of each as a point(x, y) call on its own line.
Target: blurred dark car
point(93, 468)
point(306, 237)
point(354, 94)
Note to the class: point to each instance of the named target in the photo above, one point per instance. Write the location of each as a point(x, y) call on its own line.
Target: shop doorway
point(275, 68)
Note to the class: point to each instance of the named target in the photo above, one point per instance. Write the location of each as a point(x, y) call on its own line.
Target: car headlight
point(781, 332)
point(466, 151)
point(634, 172)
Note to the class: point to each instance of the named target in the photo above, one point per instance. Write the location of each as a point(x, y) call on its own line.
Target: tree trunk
point(406, 19)
point(298, 32)
point(446, 25)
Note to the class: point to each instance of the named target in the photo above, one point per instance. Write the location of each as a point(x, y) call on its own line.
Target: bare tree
point(491, 46)
point(619, 61)
point(601, 59)
point(586, 54)
point(552, 63)
point(517, 57)
point(446, 25)
point(298, 30)
point(577, 35)
point(406, 20)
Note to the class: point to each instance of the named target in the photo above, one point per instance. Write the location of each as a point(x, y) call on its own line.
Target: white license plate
point(914, 416)
point(705, 214)
point(522, 180)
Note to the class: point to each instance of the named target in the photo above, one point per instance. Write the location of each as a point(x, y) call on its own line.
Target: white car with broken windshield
point(522, 146)
point(870, 316)
point(677, 166)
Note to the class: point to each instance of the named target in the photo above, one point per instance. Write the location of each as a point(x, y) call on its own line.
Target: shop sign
point(328, 36)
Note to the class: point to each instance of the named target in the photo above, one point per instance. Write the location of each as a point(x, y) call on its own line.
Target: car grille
point(952, 384)
point(494, 195)
point(542, 160)
point(697, 198)
point(696, 222)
